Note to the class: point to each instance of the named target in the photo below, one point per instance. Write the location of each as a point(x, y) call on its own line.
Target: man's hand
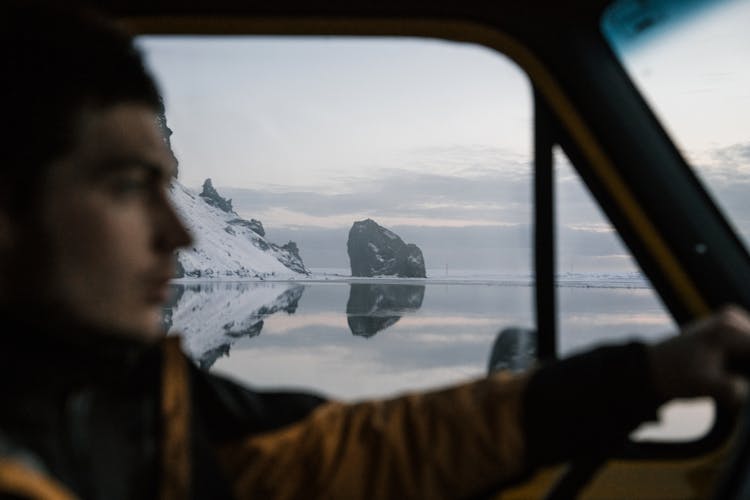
point(710, 358)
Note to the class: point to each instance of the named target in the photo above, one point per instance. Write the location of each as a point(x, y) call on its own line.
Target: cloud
point(505, 249)
point(487, 197)
point(725, 172)
point(466, 185)
point(466, 208)
point(736, 155)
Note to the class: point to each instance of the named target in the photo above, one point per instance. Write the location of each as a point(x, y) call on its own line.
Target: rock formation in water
point(227, 245)
point(376, 251)
point(372, 307)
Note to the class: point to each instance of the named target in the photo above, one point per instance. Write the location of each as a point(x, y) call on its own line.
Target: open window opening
point(367, 225)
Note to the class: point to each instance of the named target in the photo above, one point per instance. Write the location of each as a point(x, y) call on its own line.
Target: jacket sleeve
point(449, 443)
point(588, 404)
point(453, 443)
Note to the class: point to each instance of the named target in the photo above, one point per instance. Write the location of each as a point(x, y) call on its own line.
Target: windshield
point(691, 61)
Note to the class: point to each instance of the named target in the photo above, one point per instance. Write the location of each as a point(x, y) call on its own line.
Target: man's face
point(107, 226)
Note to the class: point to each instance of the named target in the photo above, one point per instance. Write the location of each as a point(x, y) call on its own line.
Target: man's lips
point(157, 288)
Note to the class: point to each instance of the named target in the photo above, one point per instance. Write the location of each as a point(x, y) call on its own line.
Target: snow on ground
point(491, 277)
point(468, 277)
point(603, 280)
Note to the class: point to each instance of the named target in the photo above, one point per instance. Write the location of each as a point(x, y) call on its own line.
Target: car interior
point(592, 121)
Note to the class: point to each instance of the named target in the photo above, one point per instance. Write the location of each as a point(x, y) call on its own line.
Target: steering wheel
point(735, 484)
point(514, 350)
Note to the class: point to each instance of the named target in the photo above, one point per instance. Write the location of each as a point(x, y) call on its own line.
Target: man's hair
point(58, 62)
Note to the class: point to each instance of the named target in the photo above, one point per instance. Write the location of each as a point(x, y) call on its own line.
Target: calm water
point(360, 340)
point(351, 341)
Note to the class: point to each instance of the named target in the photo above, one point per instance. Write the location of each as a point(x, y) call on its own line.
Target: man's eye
point(129, 185)
point(124, 185)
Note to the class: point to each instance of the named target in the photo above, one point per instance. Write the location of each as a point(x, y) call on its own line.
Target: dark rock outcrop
point(213, 198)
point(166, 132)
point(288, 254)
point(179, 269)
point(252, 224)
point(372, 308)
point(376, 251)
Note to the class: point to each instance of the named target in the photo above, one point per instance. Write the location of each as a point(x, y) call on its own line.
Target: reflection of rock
point(372, 308)
point(375, 251)
point(168, 308)
point(213, 316)
point(209, 357)
point(514, 349)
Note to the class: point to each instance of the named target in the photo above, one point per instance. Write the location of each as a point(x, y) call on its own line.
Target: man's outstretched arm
point(456, 442)
point(441, 444)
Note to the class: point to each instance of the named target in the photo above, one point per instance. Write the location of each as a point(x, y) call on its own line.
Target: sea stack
point(376, 251)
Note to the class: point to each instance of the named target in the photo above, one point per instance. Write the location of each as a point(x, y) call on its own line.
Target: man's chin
point(145, 326)
point(148, 328)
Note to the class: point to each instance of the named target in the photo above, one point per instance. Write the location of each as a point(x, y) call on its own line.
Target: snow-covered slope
point(213, 316)
point(228, 246)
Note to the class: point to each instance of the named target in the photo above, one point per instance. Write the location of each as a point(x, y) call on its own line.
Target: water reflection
point(375, 307)
point(318, 342)
point(307, 340)
point(211, 317)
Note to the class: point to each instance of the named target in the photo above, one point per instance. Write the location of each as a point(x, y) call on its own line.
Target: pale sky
point(309, 134)
point(260, 112)
point(697, 79)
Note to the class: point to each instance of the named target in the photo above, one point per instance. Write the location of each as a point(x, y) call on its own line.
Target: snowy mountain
point(226, 245)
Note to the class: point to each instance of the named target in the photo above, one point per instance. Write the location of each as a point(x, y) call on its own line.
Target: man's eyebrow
point(155, 169)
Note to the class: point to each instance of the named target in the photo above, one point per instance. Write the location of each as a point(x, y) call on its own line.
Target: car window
point(283, 144)
point(332, 159)
point(603, 295)
point(691, 61)
point(605, 298)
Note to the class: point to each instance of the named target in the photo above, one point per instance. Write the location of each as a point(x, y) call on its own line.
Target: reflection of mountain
point(212, 316)
point(372, 308)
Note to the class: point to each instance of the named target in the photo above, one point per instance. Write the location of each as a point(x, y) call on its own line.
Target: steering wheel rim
point(735, 481)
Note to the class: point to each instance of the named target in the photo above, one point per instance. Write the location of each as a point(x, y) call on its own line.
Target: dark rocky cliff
point(213, 198)
point(376, 251)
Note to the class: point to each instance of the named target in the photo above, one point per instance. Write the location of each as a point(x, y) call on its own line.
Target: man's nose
point(171, 232)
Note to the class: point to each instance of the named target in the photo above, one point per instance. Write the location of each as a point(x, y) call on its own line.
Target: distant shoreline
point(564, 280)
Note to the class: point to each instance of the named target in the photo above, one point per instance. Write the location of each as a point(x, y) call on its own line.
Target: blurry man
point(98, 404)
